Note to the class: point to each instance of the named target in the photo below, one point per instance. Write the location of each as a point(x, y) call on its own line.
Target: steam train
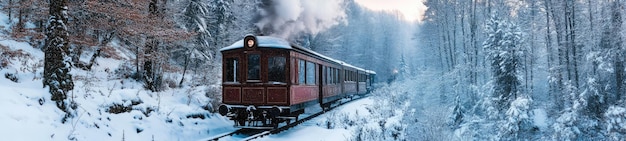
point(267, 80)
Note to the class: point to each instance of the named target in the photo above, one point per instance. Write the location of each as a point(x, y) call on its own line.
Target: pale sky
point(413, 10)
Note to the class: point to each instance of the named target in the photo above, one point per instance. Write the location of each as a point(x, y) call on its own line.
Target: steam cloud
point(287, 18)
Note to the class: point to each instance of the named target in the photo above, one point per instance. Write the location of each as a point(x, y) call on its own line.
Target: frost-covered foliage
point(404, 70)
point(387, 115)
point(577, 120)
point(385, 119)
point(570, 64)
point(565, 126)
point(517, 123)
point(503, 54)
point(615, 118)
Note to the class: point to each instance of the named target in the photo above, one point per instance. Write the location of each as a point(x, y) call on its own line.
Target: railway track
point(255, 133)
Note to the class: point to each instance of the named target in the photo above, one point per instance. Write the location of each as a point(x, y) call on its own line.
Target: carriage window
point(335, 76)
point(301, 70)
point(254, 67)
point(363, 77)
point(324, 76)
point(328, 78)
point(230, 69)
point(310, 73)
point(276, 69)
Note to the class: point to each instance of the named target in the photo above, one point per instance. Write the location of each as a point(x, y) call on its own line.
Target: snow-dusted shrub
point(125, 107)
point(565, 127)
point(517, 123)
point(615, 119)
point(214, 93)
point(11, 76)
point(117, 108)
point(125, 71)
point(368, 132)
point(171, 83)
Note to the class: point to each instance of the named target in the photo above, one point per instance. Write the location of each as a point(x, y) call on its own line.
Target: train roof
point(264, 41)
point(274, 42)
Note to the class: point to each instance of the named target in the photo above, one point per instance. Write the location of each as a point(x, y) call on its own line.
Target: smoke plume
point(288, 18)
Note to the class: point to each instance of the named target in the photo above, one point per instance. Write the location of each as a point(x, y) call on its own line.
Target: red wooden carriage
point(267, 80)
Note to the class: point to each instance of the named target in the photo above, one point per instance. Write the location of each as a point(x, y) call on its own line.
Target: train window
point(349, 75)
point(310, 73)
point(328, 76)
point(361, 78)
point(324, 74)
point(336, 76)
point(301, 70)
point(333, 75)
point(276, 69)
point(254, 67)
point(230, 70)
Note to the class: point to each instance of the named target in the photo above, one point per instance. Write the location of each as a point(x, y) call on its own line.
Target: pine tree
point(518, 122)
point(404, 70)
point(502, 47)
point(222, 20)
point(57, 63)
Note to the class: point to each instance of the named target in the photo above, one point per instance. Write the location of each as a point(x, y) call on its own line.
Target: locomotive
point(268, 80)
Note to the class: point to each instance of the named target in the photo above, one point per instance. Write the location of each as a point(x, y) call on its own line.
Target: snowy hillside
point(168, 115)
point(110, 107)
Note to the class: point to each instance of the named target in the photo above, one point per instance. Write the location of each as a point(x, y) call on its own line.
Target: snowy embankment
point(377, 117)
point(110, 107)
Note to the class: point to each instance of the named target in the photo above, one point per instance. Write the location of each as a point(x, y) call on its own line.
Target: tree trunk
point(9, 9)
point(149, 67)
point(184, 71)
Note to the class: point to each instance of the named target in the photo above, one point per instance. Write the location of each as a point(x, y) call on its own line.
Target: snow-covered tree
point(615, 118)
point(57, 63)
point(503, 54)
point(565, 126)
point(458, 113)
point(220, 22)
point(404, 69)
point(517, 123)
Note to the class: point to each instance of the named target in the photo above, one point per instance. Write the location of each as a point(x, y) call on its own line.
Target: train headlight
point(250, 43)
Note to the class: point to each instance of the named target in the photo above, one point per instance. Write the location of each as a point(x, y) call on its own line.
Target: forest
point(470, 69)
point(507, 62)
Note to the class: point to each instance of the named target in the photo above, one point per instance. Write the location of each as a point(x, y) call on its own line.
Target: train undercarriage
point(261, 117)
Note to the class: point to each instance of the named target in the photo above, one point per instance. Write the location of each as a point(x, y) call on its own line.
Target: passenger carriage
point(267, 80)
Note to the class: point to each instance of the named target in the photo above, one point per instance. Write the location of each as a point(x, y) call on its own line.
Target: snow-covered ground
point(28, 114)
point(318, 128)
